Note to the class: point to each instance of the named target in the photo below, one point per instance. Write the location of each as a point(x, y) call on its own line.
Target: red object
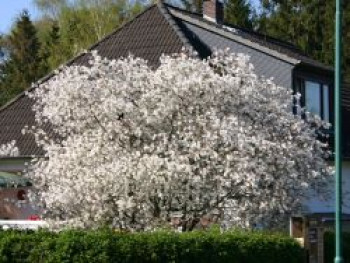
point(34, 218)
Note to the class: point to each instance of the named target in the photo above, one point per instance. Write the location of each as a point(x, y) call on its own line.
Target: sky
point(9, 10)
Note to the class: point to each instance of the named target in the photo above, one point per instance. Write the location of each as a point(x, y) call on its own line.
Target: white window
point(314, 97)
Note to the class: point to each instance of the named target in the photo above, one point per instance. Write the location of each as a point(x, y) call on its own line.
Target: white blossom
point(137, 144)
point(9, 150)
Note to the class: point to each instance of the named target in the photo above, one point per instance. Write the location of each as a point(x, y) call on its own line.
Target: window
point(314, 97)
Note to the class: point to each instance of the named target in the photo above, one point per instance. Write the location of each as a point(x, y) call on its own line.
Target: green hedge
point(329, 250)
point(108, 246)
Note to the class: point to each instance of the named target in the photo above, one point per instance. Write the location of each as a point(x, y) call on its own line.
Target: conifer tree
point(23, 63)
point(52, 47)
point(239, 12)
point(309, 24)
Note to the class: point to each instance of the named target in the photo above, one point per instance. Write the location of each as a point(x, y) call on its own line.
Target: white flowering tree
point(192, 137)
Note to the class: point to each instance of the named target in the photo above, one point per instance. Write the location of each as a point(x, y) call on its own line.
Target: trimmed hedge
point(329, 247)
point(109, 246)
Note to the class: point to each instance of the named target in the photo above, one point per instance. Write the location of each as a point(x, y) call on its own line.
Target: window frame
point(299, 86)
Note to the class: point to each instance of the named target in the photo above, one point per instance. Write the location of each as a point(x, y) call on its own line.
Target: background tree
point(309, 24)
point(50, 8)
point(179, 139)
point(23, 63)
point(52, 46)
point(240, 13)
point(72, 26)
point(3, 91)
point(193, 5)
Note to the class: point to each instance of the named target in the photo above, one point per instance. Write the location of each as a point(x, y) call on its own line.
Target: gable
point(264, 64)
point(148, 36)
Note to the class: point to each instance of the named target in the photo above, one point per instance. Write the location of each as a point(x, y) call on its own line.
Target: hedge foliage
point(109, 246)
point(329, 247)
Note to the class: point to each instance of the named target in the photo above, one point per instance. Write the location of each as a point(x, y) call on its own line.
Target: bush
point(329, 247)
point(109, 246)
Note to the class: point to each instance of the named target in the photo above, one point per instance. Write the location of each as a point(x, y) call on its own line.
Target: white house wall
point(13, 165)
point(316, 205)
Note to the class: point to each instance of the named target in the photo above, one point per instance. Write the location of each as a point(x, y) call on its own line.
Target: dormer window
point(315, 97)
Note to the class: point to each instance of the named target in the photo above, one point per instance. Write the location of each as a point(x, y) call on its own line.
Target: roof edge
point(166, 14)
point(235, 38)
point(24, 157)
point(322, 66)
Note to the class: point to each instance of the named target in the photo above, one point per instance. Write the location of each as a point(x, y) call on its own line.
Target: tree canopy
point(22, 62)
point(190, 138)
point(239, 13)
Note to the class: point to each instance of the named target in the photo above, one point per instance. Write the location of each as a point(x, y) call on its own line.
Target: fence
point(22, 224)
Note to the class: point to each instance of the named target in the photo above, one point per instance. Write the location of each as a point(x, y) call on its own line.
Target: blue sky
point(9, 9)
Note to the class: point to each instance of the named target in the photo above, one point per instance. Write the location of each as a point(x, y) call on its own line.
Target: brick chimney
point(213, 10)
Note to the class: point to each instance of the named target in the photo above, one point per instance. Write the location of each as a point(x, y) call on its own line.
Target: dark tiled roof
point(13, 118)
point(149, 35)
point(265, 63)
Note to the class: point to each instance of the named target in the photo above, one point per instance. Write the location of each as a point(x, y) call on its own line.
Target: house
point(162, 28)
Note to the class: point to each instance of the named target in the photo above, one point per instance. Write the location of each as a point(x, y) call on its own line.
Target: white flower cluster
point(9, 150)
point(192, 137)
